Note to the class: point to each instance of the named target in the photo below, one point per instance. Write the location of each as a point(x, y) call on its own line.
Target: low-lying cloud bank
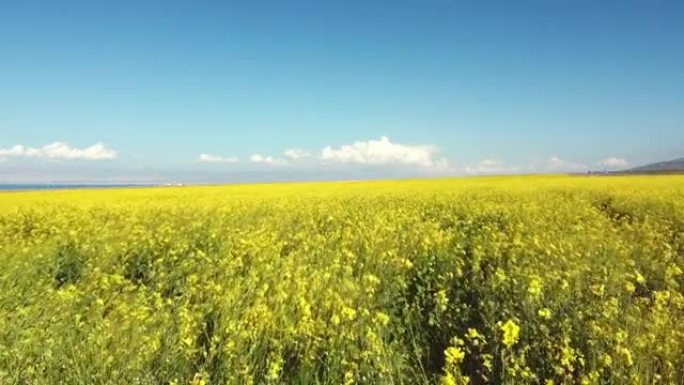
point(614, 162)
point(556, 164)
point(421, 159)
point(217, 159)
point(363, 159)
point(266, 159)
point(374, 152)
point(59, 150)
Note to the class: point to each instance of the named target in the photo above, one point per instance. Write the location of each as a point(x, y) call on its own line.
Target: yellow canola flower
point(535, 288)
point(442, 300)
point(544, 313)
point(629, 287)
point(381, 318)
point(448, 379)
point(349, 313)
point(348, 377)
point(274, 369)
point(511, 332)
point(627, 355)
point(640, 278)
point(473, 333)
point(606, 360)
point(454, 356)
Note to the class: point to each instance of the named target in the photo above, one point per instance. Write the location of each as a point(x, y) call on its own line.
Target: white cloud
point(59, 150)
point(266, 159)
point(383, 152)
point(372, 152)
point(296, 153)
point(614, 162)
point(557, 164)
point(496, 167)
point(376, 152)
point(490, 163)
point(487, 166)
point(207, 158)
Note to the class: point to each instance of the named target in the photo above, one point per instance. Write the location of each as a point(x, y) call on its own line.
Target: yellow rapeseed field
point(502, 280)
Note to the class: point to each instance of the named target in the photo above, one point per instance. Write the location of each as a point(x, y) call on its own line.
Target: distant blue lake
point(58, 186)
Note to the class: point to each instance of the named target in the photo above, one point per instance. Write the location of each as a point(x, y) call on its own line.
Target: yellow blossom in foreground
point(454, 355)
point(511, 331)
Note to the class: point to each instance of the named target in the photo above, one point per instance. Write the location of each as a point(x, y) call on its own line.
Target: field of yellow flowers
point(511, 280)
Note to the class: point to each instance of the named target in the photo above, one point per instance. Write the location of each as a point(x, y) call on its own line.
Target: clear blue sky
point(457, 87)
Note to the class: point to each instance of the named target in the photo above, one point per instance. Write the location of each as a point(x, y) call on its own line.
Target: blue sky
point(219, 91)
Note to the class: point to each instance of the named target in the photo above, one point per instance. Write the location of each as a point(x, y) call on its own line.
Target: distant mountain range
point(670, 166)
